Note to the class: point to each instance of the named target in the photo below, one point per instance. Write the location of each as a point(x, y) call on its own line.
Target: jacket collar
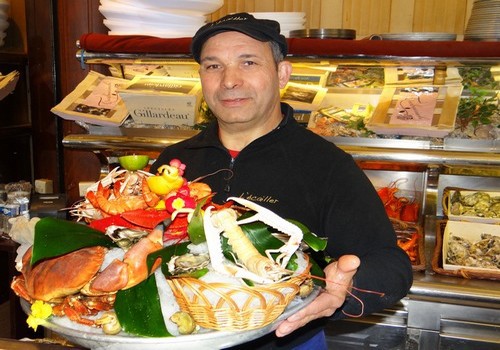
point(210, 136)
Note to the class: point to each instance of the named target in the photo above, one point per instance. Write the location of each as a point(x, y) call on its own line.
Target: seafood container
point(471, 205)
point(471, 246)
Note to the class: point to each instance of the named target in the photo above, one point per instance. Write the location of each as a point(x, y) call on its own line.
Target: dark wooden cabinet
point(16, 157)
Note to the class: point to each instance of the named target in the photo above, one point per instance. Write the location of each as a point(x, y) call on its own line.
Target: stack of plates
point(484, 21)
point(288, 20)
point(324, 33)
point(160, 18)
point(4, 20)
point(415, 36)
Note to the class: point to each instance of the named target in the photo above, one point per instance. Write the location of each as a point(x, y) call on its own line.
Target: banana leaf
point(195, 228)
point(55, 237)
point(314, 242)
point(166, 254)
point(139, 310)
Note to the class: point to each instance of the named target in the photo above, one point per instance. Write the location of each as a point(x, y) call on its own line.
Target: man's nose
point(231, 78)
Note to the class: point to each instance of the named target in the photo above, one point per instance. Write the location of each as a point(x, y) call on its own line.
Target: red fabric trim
point(96, 42)
point(133, 44)
point(233, 153)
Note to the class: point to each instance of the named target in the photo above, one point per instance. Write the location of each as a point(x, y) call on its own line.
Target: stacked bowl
point(160, 18)
point(4, 20)
point(288, 20)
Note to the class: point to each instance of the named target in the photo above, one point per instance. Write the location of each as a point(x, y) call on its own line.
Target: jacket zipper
point(227, 188)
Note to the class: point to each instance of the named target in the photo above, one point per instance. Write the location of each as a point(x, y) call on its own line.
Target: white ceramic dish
point(147, 15)
point(116, 25)
point(94, 339)
point(162, 34)
point(200, 6)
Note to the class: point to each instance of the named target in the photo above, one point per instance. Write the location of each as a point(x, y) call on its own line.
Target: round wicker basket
point(229, 307)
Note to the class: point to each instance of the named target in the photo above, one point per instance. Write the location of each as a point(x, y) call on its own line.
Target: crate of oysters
point(479, 206)
point(469, 250)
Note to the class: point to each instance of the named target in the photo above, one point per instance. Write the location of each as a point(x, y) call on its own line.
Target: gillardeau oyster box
point(162, 100)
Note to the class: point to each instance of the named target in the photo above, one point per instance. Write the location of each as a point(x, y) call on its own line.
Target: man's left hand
point(339, 277)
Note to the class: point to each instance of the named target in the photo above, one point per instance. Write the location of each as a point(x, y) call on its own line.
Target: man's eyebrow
point(242, 56)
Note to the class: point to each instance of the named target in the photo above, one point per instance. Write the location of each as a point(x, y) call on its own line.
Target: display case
point(440, 311)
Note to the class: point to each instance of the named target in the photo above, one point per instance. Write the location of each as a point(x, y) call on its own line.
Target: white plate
point(278, 15)
point(201, 6)
point(116, 25)
point(146, 15)
point(163, 34)
point(94, 338)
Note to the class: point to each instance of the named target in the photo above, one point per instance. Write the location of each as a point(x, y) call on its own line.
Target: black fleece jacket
point(300, 175)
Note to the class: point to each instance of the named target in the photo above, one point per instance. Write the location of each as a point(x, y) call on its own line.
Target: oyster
point(479, 204)
point(484, 253)
point(188, 263)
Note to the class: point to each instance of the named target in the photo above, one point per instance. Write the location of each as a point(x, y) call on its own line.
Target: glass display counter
point(440, 311)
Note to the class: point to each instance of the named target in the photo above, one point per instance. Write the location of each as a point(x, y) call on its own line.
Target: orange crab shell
point(61, 276)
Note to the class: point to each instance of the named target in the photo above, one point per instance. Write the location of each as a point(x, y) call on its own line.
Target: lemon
point(133, 162)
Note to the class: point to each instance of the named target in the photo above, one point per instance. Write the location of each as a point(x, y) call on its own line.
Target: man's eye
point(211, 66)
point(249, 63)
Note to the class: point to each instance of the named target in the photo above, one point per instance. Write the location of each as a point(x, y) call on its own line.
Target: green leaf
point(55, 237)
point(316, 243)
point(139, 310)
point(166, 254)
point(195, 228)
point(317, 271)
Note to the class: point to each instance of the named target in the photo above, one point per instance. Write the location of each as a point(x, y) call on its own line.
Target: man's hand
point(339, 280)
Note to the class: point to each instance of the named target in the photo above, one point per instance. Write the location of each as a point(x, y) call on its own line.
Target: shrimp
point(254, 266)
point(101, 199)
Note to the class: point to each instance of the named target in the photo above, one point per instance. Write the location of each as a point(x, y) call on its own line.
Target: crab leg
point(268, 217)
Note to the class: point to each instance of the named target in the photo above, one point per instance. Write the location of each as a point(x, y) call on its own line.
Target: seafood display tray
point(94, 339)
point(470, 231)
point(448, 194)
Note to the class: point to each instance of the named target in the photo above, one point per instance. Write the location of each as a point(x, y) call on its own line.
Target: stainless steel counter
point(439, 312)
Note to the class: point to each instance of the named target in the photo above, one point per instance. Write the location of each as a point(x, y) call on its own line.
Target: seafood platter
point(160, 265)
point(472, 205)
point(471, 249)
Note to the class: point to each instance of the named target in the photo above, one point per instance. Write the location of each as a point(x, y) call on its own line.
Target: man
point(256, 150)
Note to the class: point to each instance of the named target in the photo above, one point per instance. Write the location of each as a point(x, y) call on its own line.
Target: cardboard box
point(471, 232)
point(162, 100)
point(428, 111)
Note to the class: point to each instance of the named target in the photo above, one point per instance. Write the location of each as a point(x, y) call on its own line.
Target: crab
point(45, 281)
point(74, 283)
point(250, 263)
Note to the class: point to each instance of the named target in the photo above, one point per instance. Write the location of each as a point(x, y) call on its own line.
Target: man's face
point(240, 79)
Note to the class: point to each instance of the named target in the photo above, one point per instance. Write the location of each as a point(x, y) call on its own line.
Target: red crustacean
point(146, 219)
point(85, 290)
point(410, 246)
point(398, 207)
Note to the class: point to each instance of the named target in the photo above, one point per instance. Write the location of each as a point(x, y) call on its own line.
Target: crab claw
point(274, 220)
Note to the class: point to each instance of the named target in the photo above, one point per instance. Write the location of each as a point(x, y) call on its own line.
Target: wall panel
point(367, 16)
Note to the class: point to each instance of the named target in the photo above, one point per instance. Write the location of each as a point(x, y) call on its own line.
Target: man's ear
point(284, 72)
